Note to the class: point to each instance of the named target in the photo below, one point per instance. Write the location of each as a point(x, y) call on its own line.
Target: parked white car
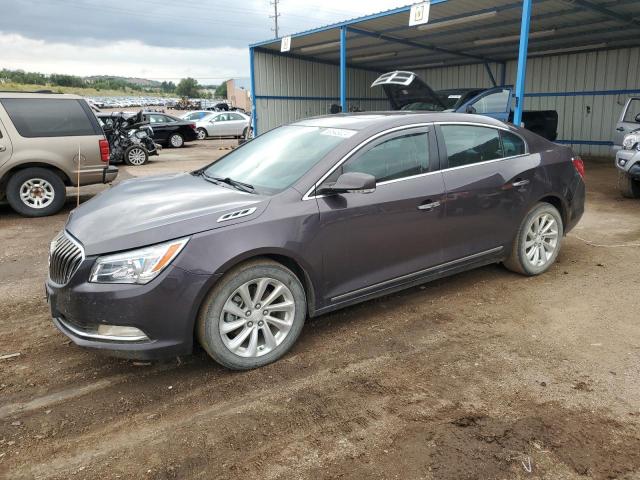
point(224, 124)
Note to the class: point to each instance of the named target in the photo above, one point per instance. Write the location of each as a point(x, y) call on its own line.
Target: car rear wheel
point(36, 192)
point(202, 133)
point(537, 242)
point(176, 140)
point(135, 156)
point(247, 133)
point(253, 316)
point(629, 188)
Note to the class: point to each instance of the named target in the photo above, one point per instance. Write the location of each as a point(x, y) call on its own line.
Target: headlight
point(136, 266)
point(631, 141)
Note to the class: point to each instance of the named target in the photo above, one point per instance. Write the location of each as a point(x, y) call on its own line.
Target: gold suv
point(48, 142)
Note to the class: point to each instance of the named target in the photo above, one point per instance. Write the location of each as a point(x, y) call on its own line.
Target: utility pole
point(275, 17)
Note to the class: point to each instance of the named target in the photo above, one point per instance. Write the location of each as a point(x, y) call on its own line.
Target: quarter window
point(468, 144)
point(512, 144)
point(395, 158)
point(37, 117)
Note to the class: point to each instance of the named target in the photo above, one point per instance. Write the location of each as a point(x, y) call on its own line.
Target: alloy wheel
point(541, 240)
point(202, 134)
point(137, 156)
point(176, 141)
point(257, 317)
point(37, 193)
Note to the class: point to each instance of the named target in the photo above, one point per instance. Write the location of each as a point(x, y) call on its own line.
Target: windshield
point(277, 159)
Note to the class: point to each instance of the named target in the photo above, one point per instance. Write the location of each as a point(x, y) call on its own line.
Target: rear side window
point(467, 144)
point(36, 117)
point(633, 111)
point(512, 144)
point(395, 158)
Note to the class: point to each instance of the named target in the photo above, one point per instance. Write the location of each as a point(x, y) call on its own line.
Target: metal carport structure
point(489, 42)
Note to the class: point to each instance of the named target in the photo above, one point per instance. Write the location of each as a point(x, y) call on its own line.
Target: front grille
point(65, 257)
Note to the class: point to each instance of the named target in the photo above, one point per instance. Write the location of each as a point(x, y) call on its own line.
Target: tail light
point(192, 125)
point(104, 150)
point(579, 165)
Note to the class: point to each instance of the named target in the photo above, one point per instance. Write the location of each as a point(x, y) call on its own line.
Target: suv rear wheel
point(629, 188)
point(36, 192)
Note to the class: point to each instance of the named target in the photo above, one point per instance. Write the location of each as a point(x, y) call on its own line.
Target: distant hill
point(143, 82)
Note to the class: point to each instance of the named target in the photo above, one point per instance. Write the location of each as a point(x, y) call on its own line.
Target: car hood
point(151, 210)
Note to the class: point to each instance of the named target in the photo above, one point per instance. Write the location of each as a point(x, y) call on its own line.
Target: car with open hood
point(303, 220)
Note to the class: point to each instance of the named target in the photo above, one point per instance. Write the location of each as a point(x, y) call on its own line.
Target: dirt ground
point(485, 375)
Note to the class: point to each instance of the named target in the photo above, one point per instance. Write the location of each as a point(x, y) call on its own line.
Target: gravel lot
point(483, 375)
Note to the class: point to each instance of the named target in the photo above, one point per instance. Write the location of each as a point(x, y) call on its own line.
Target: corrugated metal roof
point(472, 31)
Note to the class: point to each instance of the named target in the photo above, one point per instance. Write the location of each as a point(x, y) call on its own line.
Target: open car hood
point(404, 88)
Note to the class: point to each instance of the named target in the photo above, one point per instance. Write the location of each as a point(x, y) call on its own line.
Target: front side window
point(493, 102)
point(467, 144)
point(277, 159)
point(398, 157)
point(38, 117)
point(632, 111)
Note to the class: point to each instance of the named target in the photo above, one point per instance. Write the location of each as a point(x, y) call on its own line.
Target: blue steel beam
point(522, 61)
point(343, 68)
point(252, 76)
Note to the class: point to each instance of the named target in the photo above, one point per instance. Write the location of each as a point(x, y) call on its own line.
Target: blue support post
point(254, 110)
point(343, 68)
point(522, 61)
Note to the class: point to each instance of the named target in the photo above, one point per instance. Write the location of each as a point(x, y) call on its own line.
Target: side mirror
point(350, 182)
point(470, 109)
point(638, 118)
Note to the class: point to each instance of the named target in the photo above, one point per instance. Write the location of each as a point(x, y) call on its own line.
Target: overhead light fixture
point(514, 38)
point(322, 46)
point(424, 65)
point(569, 49)
point(374, 57)
point(458, 21)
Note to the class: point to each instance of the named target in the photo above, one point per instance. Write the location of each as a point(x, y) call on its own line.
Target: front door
point(495, 103)
point(489, 179)
point(369, 240)
point(628, 122)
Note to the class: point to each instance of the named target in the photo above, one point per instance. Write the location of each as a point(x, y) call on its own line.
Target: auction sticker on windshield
point(338, 132)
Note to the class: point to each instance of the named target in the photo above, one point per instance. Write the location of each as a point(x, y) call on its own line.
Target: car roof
point(363, 121)
point(43, 94)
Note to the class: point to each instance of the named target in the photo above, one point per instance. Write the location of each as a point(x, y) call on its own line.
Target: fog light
point(123, 333)
point(622, 162)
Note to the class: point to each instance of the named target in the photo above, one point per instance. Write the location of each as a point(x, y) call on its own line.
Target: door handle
point(428, 205)
point(3, 148)
point(620, 129)
point(520, 183)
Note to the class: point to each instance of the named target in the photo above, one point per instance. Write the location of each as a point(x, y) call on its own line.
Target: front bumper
point(164, 309)
point(628, 161)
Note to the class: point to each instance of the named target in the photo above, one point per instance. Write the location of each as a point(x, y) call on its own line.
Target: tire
point(36, 192)
point(215, 315)
point(176, 140)
point(523, 258)
point(629, 188)
point(136, 156)
point(202, 133)
point(247, 133)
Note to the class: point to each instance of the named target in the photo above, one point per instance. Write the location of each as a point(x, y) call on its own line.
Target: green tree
point(221, 91)
point(188, 87)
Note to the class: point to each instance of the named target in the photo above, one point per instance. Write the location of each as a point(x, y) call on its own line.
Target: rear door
point(489, 179)
point(160, 127)
point(370, 240)
point(495, 103)
point(236, 123)
point(628, 122)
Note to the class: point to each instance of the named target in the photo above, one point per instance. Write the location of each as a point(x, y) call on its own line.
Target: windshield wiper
point(245, 187)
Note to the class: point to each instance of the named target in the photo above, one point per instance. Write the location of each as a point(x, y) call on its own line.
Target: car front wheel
point(537, 242)
point(629, 188)
point(253, 316)
point(36, 192)
point(176, 140)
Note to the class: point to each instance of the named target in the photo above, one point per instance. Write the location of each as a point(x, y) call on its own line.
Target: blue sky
point(155, 38)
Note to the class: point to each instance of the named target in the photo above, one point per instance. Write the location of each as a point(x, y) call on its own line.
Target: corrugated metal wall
point(308, 89)
point(585, 89)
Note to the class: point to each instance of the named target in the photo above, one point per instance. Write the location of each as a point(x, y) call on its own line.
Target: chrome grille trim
point(65, 258)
